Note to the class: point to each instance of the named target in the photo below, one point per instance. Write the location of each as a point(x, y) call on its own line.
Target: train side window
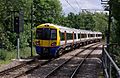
point(74, 35)
point(83, 35)
point(69, 36)
point(99, 35)
point(88, 35)
point(62, 36)
point(79, 36)
point(92, 35)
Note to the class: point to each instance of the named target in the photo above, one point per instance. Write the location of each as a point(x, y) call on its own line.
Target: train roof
point(70, 30)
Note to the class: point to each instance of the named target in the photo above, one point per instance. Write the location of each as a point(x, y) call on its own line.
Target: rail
point(109, 65)
point(75, 71)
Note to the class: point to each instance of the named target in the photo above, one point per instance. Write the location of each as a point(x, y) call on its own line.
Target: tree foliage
point(44, 11)
point(115, 7)
point(47, 11)
point(87, 21)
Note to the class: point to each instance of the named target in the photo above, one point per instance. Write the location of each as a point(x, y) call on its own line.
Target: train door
point(53, 37)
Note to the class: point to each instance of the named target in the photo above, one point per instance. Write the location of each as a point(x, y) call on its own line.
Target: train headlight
point(53, 44)
point(37, 42)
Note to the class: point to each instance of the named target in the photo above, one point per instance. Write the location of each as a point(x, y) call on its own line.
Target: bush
point(6, 56)
point(2, 55)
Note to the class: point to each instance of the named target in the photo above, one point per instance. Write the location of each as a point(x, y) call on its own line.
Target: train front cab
point(47, 40)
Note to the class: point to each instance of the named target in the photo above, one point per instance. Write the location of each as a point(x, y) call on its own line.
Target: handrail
point(107, 61)
point(116, 67)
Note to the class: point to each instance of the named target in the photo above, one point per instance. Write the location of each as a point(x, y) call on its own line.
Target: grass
point(7, 56)
point(27, 52)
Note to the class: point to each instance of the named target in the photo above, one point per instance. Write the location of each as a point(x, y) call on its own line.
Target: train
point(54, 40)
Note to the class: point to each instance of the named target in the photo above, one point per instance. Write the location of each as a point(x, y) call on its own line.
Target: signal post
point(18, 27)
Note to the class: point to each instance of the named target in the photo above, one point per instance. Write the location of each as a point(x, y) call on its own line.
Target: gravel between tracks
point(44, 70)
point(10, 65)
point(91, 69)
point(41, 72)
point(37, 73)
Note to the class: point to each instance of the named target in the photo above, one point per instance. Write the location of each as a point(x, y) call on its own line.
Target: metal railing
point(109, 65)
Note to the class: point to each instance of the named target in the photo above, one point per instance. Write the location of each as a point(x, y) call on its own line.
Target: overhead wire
point(78, 5)
point(71, 5)
point(72, 8)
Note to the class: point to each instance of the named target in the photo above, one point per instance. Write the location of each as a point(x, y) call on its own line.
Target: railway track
point(23, 68)
point(27, 67)
point(47, 70)
point(82, 62)
point(70, 66)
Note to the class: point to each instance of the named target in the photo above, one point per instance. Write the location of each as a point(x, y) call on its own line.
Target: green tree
point(86, 21)
point(47, 11)
point(8, 37)
point(44, 11)
point(115, 7)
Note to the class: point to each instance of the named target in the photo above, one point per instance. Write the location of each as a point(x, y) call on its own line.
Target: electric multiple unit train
point(53, 40)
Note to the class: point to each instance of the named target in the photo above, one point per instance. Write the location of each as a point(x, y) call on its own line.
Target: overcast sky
point(80, 4)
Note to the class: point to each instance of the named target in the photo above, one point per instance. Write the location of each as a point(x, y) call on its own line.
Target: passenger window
point(78, 36)
point(53, 34)
point(74, 35)
point(83, 35)
point(62, 36)
point(69, 36)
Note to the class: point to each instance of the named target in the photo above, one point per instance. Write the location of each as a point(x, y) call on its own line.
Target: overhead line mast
point(108, 6)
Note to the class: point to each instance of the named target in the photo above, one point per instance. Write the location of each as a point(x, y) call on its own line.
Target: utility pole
point(108, 2)
point(31, 29)
point(109, 24)
point(108, 32)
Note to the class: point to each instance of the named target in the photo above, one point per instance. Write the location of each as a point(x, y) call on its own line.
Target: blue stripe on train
point(52, 50)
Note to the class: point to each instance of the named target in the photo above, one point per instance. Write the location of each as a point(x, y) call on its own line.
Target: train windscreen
point(46, 34)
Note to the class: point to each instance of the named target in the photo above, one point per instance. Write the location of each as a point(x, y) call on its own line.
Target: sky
point(77, 5)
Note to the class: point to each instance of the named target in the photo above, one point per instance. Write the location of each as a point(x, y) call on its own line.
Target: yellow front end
point(49, 39)
point(48, 43)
